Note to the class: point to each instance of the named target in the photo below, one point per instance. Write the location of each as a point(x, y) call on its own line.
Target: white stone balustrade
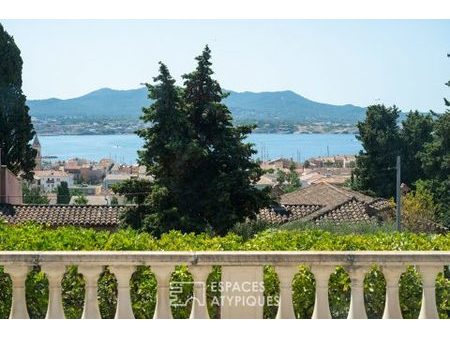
point(242, 276)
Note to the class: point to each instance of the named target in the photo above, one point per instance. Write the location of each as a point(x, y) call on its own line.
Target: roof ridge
point(341, 191)
point(323, 211)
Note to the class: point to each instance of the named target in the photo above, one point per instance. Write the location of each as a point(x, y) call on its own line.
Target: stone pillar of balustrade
point(285, 306)
point(199, 302)
point(123, 275)
point(18, 274)
point(429, 274)
point(91, 274)
point(242, 292)
point(321, 305)
point(162, 274)
point(54, 273)
point(392, 276)
point(357, 308)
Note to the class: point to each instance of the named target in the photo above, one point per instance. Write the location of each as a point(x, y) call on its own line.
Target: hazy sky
point(360, 62)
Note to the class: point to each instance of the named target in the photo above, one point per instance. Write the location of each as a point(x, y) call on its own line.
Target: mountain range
point(280, 106)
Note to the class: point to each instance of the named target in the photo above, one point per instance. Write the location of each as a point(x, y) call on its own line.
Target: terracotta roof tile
point(330, 203)
point(352, 211)
point(286, 213)
point(57, 215)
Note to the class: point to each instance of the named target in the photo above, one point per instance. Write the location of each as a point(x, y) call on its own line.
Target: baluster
point(55, 273)
point(123, 275)
point(18, 274)
point(199, 302)
point(91, 274)
point(392, 306)
point(321, 306)
point(428, 309)
point(357, 307)
point(285, 305)
point(242, 292)
point(163, 273)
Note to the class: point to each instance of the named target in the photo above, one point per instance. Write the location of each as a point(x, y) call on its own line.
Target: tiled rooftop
point(350, 212)
point(57, 215)
point(287, 213)
point(325, 202)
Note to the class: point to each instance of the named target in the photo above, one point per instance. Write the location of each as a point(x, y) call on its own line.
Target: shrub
point(249, 229)
point(143, 283)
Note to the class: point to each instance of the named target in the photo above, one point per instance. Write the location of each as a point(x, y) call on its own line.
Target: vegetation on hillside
point(265, 107)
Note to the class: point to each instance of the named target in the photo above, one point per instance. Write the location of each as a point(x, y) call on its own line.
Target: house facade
point(49, 180)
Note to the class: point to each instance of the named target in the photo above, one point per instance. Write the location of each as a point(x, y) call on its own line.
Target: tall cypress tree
point(204, 176)
point(63, 195)
point(165, 154)
point(16, 129)
point(220, 184)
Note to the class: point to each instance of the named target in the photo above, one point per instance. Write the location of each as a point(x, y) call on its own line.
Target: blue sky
point(362, 62)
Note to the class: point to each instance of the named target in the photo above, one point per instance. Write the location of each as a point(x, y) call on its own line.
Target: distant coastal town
point(113, 126)
point(93, 179)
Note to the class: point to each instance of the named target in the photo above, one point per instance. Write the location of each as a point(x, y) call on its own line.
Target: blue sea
point(123, 148)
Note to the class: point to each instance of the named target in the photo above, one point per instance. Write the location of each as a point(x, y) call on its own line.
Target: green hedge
point(143, 283)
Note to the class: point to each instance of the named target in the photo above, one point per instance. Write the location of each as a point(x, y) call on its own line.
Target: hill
point(282, 106)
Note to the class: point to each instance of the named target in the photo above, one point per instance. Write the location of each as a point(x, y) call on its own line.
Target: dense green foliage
point(63, 194)
point(415, 133)
point(143, 284)
point(419, 212)
point(16, 129)
point(379, 136)
point(33, 195)
point(424, 147)
point(289, 181)
point(343, 229)
point(436, 163)
point(204, 174)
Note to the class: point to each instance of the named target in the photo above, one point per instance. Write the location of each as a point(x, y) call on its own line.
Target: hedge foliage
point(143, 282)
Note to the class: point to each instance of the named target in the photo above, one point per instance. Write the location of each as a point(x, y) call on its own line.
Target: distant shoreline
point(123, 147)
point(267, 133)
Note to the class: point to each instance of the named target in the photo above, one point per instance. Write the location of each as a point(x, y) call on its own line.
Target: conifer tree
point(204, 174)
point(16, 129)
point(63, 194)
point(165, 155)
point(222, 175)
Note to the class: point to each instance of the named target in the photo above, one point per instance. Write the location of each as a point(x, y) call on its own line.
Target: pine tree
point(165, 154)
point(375, 165)
point(16, 129)
point(220, 184)
point(204, 175)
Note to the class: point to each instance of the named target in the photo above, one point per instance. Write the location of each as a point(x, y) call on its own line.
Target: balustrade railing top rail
point(227, 257)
